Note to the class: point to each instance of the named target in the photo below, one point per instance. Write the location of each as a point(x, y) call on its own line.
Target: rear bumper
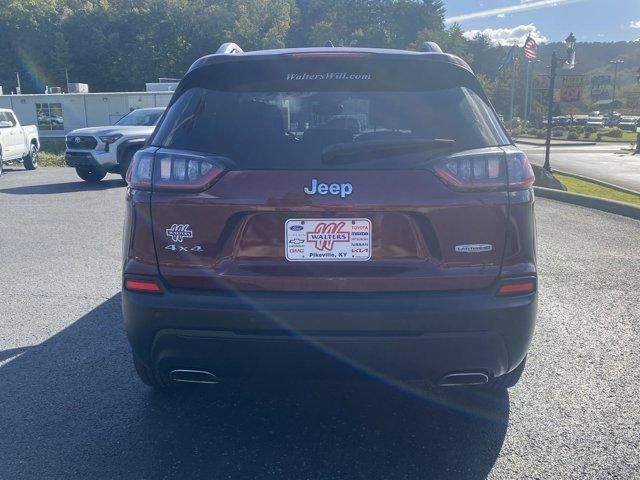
point(411, 336)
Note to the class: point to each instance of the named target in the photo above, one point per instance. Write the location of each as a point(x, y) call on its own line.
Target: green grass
point(584, 187)
point(48, 159)
point(52, 145)
point(51, 152)
point(626, 137)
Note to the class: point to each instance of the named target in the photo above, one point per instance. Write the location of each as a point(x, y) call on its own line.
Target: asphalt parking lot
point(71, 405)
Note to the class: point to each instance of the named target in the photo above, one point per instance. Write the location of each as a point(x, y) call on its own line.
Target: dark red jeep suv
point(327, 212)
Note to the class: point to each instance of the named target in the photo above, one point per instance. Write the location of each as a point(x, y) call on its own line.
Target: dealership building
point(55, 114)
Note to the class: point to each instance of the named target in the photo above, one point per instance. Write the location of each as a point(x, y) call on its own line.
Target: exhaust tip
point(193, 376)
point(464, 379)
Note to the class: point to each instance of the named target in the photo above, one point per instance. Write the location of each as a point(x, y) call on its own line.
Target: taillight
point(140, 170)
point(473, 172)
point(516, 286)
point(174, 170)
point(519, 170)
point(185, 171)
point(486, 172)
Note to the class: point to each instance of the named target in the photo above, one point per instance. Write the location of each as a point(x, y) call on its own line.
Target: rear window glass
point(140, 118)
point(291, 129)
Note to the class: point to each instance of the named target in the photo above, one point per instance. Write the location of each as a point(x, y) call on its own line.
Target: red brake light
point(145, 286)
point(174, 170)
point(517, 287)
point(327, 54)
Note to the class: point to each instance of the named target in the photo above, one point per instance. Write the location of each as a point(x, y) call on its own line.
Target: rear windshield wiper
point(342, 153)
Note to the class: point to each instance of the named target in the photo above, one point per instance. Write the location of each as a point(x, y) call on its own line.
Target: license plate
point(328, 239)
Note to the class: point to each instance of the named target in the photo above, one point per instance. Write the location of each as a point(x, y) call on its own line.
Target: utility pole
point(552, 84)
point(615, 64)
point(66, 74)
point(18, 88)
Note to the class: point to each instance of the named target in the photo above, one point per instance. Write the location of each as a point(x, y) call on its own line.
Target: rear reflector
point(517, 287)
point(146, 286)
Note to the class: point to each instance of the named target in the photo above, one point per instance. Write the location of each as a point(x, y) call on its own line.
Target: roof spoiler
point(229, 48)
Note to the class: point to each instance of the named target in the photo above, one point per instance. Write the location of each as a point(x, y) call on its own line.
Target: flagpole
point(513, 92)
point(532, 69)
point(527, 93)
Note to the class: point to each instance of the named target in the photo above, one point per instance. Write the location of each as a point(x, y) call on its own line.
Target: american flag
point(530, 49)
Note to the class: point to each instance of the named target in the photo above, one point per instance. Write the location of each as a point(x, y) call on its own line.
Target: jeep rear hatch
point(289, 174)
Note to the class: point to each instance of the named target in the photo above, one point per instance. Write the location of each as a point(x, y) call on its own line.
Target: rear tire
point(150, 377)
point(90, 174)
point(31, 160)
point(510, 379)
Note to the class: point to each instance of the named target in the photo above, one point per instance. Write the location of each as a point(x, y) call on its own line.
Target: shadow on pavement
point(68, 187)
point(73, 408)
point(12, 352)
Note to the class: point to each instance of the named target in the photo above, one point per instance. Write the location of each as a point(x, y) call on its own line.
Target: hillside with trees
point(118, 45)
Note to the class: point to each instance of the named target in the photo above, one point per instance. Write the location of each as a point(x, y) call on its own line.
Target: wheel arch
point(133, 144)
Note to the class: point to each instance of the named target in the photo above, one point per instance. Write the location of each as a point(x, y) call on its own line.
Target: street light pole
point(552, 84)
point(615, 64)
point(569, 63)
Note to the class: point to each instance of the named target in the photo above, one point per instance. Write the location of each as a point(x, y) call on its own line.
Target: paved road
point(72, 408)
point(603, 162)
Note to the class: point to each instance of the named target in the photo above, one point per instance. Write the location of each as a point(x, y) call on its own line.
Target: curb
point(565, 144)
point(609, 206)
point(597, 182)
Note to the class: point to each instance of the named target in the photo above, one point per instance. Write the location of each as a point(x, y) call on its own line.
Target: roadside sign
point(571, 90)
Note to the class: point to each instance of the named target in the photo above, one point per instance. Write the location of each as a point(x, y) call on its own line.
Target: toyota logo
point(77, 139)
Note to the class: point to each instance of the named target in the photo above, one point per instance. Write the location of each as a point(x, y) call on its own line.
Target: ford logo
point(296, 228)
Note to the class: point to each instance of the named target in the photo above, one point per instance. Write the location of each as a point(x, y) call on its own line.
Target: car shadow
point(67, 187)
point(73, 408)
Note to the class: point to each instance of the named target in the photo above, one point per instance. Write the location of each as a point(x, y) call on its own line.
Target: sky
point(509, 21)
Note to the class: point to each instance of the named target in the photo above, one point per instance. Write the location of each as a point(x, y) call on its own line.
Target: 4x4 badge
point(178, 232)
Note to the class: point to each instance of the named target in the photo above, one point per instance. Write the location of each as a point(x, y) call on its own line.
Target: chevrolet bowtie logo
point(178, 232)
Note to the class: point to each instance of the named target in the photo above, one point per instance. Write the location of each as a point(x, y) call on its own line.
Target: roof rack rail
point(229, 47)
point(431, 47)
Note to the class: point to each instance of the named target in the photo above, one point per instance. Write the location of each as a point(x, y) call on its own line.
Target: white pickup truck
point(18, 143)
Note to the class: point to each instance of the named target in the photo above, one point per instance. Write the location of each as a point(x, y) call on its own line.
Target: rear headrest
point(327, 136)
point(258, 118)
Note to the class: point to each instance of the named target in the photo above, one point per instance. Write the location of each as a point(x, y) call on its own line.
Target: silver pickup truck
point(18, 143)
